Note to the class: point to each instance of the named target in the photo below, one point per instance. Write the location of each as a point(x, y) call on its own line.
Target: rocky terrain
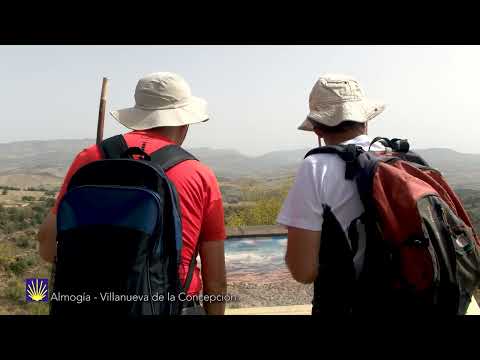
point(273, 289)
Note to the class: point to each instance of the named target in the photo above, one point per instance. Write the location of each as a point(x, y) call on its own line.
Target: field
point(21, 212)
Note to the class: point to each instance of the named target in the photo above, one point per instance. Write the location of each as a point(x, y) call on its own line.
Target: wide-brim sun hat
point(336, 98)
point(162, 99)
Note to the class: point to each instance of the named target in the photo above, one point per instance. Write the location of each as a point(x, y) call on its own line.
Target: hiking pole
point(101, 112)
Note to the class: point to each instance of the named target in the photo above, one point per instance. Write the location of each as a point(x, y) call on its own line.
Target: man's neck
point(340, 138)
point(170, 134)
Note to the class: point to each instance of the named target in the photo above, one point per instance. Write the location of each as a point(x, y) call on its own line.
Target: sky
point(257, 95)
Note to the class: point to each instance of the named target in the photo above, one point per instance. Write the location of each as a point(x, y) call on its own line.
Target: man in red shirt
point(163, 111)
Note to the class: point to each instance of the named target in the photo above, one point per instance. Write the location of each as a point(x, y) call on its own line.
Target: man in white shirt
point(322, 203)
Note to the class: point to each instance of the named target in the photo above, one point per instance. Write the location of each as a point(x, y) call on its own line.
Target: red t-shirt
point(198, 191)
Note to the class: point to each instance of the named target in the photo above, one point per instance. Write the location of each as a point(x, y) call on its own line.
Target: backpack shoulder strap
point(170, 155)
point(114, 147)
point(348, 153)
point(167, 157)
point(191, 268)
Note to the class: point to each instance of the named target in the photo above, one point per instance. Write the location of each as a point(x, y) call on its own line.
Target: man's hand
point(47, 237)
point(212, 255)
point(302, 254)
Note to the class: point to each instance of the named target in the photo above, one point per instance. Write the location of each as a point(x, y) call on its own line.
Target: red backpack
point(422, 254)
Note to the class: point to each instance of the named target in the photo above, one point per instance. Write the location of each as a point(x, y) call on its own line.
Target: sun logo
point(36, 290)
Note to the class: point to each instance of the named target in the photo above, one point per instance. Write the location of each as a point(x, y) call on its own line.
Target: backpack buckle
point(352, 152)
point(130, 152)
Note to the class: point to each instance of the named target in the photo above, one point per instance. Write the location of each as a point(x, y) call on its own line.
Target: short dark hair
point(340, 128)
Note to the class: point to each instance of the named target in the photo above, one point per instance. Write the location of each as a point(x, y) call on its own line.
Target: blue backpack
point(119, 236)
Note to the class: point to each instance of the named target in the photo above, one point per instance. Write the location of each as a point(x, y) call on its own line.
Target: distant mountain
point(38, 156)
point(225, 163)
point(461, 170)
point(49, 160)
point(37, 163)
point(231, 163)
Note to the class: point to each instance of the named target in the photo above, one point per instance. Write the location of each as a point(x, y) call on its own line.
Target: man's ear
point(183, 132)
point(318, 132)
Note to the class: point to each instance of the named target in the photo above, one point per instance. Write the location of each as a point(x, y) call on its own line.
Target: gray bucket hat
point(336, 98)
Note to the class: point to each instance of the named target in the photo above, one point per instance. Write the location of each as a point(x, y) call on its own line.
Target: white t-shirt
point(321, 182)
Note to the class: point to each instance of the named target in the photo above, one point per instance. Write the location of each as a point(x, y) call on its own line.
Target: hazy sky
point(257, 95)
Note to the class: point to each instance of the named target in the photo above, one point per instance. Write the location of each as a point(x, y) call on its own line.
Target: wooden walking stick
point(101, 112)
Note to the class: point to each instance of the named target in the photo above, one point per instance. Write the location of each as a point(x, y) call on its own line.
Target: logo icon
point(36, 290)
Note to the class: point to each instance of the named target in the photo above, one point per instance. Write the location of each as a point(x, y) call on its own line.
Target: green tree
point(19, 265)
point(15, 290)
point(19, 216)
point(22, 225)
point(9, 227)
point(235, 220)
point(37, 209)
point(37, 218)
point(49, 203)
point(22, 241)
point(38, 308)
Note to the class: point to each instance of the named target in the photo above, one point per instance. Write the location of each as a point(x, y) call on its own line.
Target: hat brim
point(333, 114)
point(140, 119)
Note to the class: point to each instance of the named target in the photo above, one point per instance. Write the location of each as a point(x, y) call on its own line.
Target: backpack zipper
point(149, 285)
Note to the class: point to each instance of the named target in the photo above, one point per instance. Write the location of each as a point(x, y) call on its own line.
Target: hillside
point(40, 163)
point(461, 170)
point(37, 163)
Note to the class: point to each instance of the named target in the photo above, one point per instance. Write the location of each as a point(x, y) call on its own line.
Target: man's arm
point(302, 214)
point(212, 255)
point(302, 254)
point(47, 234)
point(47, 237)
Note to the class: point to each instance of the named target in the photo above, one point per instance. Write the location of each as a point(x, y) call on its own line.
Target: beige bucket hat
point(162, 99)
point(336, 98)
